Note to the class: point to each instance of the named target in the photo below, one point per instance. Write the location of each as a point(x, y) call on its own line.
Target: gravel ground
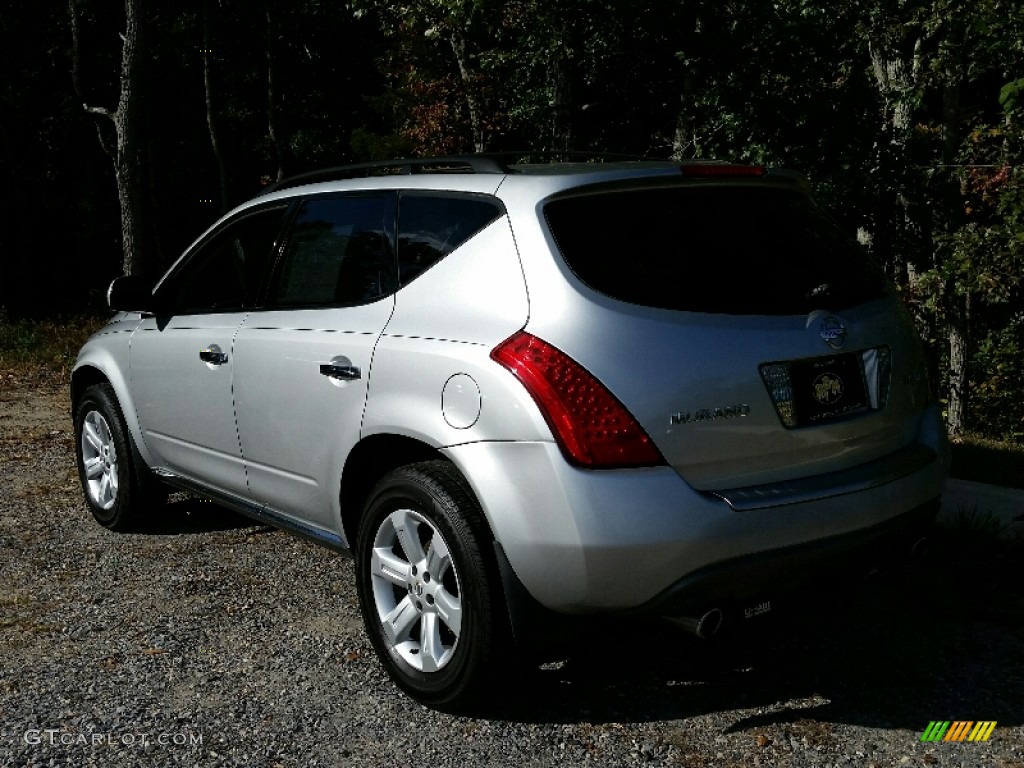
point(209, 641)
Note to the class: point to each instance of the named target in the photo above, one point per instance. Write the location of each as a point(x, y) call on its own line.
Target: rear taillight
point(878, 375)
point(591, 426)
point(780, 387)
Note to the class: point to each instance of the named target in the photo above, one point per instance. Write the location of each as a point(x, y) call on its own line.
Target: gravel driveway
point(210, 641)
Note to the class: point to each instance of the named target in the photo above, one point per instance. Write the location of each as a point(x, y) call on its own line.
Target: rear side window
point(431, 226)
point(723, 250)
point(339, 252)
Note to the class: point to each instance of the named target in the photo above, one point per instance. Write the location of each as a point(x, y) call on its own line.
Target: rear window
point(724, 250)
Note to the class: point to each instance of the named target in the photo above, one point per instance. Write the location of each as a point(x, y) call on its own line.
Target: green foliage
point(907, 115)
point(51, 344)
point(984, 460)
point(368, 146)
point(972, 527)
point(903, 111)
point(1011, 96)
point(997, 380)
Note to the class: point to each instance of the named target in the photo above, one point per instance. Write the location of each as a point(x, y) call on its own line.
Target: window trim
point(435, 194)
point(173, 276)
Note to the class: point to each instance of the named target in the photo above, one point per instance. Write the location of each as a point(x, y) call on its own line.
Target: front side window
point(225, 273)
point(432, 225)
point(339, 253)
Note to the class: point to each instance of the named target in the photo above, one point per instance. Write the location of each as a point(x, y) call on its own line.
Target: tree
point(905, 114)
point(280, 146)
point(210, 99)
point(126, 149)
point(450, 30)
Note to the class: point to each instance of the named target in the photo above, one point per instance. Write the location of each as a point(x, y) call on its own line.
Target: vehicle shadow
point(944, 641)
point(189, 514)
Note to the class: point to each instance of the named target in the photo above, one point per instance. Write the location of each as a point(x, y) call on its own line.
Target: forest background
point(126, 128)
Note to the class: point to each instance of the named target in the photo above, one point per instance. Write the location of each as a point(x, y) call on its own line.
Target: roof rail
point(446, 164)
point(561, 156)
point(494, 162)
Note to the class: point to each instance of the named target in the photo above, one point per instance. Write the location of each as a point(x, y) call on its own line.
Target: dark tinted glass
point(432, 226)
point(225, 273)
point(339, 252)
point(734, 250)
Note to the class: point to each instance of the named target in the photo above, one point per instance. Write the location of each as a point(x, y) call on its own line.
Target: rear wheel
point(118, 487)
point(429, 596)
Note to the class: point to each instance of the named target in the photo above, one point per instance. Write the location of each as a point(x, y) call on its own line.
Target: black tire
point(119, 489)
point(447, 636)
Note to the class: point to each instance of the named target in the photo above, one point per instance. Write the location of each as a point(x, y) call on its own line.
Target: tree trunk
point(682, 135)
point(211, 122)
point(895, 62)
point(561, 105)
point(469, 85)
point(280, 150)
point(958, 312)
point(951, 202)
point(13, 203)
point(127, 148)
point(128, 167)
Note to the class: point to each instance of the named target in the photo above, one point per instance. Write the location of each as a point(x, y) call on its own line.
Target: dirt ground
point(209, 625)
point(34, 409)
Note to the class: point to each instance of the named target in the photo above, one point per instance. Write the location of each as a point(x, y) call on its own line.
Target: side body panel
point(434, 356)
point(185, 405)
point(297, 425)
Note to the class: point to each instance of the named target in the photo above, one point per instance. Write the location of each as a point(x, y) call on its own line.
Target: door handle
point(341, 372)
point(213, 355)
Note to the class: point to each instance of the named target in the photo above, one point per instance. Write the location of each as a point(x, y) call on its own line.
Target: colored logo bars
point(958, 730)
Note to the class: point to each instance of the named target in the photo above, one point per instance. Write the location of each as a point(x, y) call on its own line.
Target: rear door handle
point(213, 355)
point(341, 372)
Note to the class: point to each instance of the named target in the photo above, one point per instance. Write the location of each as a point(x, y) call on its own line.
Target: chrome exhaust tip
point(705, 626)
point(919, 549)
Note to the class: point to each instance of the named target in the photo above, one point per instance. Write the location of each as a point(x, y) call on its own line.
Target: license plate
point(828, 388)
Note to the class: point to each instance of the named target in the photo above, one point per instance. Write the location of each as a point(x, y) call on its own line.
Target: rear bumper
point(741, 581)
point(583, 542)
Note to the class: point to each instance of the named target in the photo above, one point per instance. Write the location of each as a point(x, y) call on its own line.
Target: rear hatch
point(751, 340)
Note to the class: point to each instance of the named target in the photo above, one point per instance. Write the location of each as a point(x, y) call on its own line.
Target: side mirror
point(131, 293)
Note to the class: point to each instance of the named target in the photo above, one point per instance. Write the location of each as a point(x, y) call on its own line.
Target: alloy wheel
point(416, 590)
point(99, 460)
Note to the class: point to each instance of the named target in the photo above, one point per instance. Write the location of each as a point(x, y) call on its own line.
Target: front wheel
point(118, 487)
point(430, 599)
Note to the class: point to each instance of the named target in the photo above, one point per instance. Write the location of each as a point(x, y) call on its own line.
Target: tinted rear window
point(727, 250)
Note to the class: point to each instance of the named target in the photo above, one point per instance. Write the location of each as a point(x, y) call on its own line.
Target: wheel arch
point(82, 378)
point(93, 372)
point(122, 491)
point(371, 459)
point(535, 628)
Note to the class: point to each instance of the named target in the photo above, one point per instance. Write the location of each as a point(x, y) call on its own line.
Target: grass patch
point(972, 527)
point(50, 344)
point(988, 461)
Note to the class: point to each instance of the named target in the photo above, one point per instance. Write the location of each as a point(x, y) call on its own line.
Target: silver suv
point(515, 392)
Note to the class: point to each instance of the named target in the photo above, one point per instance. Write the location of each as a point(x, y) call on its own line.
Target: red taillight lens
point(591, 426)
